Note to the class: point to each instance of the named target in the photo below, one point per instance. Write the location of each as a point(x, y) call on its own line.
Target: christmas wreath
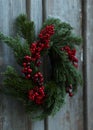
point(56, 40)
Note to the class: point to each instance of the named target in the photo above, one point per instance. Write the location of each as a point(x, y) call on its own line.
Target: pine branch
point(55, 98)
point(20, 50)
point(63, 71)
point(63, 33)
point(16, 85)
point(25, 28)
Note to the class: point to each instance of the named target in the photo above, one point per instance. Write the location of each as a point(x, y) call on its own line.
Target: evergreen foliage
point(64, 73)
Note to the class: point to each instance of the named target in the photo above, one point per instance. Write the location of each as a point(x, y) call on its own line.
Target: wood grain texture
point(70, 117)
point(12, 115)
point(89, 61)
point(36, 16)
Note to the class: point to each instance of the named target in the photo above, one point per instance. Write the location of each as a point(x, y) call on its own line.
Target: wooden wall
point(76, 114)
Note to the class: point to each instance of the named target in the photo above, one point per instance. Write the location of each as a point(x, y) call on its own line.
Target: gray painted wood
point(12, 115)
point(89, 62)
point(70, 117)
point(36, 16)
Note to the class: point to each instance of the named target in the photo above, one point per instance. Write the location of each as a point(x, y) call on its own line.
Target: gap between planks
point(28, 8)
point(84, 30)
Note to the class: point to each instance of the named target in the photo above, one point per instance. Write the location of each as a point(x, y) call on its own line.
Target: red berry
point(41, 80)
point(40, 74)
point(24, 64)
point(36, 94)
point(29, 70)
point(75, 64)
point(29, 58)
point(75, 59)
point(38, 63)
point(28, 76)
point(42, 87)
point(31, 92)
point(26, 57)
point(28, 63)
point(25, 69)
point(36, 75)
point(32, 97)
point(71, 94)
point(28, 67)
point(73, 52)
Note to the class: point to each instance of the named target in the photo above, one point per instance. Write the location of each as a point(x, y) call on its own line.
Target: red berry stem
point(71, 55)
point(69, 90)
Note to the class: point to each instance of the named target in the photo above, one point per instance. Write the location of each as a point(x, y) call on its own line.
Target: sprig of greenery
point(25, 28)
point(20, 50)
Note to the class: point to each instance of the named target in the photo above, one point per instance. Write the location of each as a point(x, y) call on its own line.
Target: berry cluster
point(71, 55)
point(38, 63)
point(36, 49)
point(69, 90)
point(27, 70)
point(37, 94)
point(46, 34)
point(38, 78)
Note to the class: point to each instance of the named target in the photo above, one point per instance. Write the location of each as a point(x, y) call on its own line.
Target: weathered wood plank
point(89, 61)
point(12, 115)
point(70, 117)
point(36, 16)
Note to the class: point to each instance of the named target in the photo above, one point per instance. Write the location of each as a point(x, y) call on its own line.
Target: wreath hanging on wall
point(42, 98)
